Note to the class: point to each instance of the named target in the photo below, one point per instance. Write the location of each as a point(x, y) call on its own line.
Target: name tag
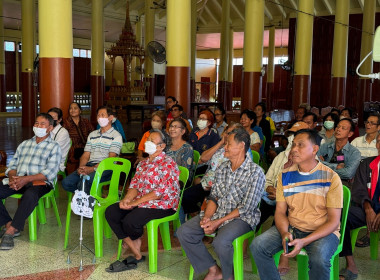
point(340, 158)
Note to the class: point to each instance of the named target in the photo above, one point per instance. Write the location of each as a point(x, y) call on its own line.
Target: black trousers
point(130, 223)
point(193, 198)
point(355, 219)
point(266, 211)
point(29, 200)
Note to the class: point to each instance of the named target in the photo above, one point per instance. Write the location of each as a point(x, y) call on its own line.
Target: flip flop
point(132, 259)
point(348, 274)
point(363, 242)
point(119, 266)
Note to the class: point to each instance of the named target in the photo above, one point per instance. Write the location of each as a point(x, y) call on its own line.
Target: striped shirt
point(100, 145)
point(366, 149)
point(308, 195)
point(32, 158)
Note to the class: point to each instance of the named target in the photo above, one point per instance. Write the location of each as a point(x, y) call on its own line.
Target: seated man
point(366, 144)
point(153, 194)
point(177, 111)
point(349, 114)
point(365, 207)
point(101, 144)
point(309, 200)
point(231, 209)
point(311, 120)
point(31, 172)
point(340, 155)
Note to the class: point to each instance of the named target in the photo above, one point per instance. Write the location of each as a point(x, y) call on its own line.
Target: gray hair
point(162, 135)
point(241, 135)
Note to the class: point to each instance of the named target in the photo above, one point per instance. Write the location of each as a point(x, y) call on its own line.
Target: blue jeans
point(74, 182)
point(319, 252)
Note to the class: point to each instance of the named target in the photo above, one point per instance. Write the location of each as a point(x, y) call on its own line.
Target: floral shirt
point(160, 175)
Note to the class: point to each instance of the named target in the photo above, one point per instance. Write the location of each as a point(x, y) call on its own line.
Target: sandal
point(120, 266)
point(2, 232)
point(132, 259)
point(348, 274)
point(363, 242)
point(7, 242)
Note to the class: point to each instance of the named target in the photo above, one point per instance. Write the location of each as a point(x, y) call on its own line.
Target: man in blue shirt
point(31, 172)
point(340, 155)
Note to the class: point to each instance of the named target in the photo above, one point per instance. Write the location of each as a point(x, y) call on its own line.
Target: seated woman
point(248, 121)
point(158, 122)
point(179, 150)
point(261, 121)
point(330, 121)
point(79, 128)
point(194, 196)
point(220, 120)
point(60, 135)
point(203, 137)
point(153, 194)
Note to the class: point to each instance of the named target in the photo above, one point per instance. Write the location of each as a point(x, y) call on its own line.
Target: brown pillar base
point(301, 91)
point(150, 90)
point(56, 83)
point(178, 85)
point(270, 97)
point(338, 91)
point(228, 103)
point(97, 95)
point(222, 93)
point(3, 94)
point(252, 90)
point(365, 94)
point(28, 100)
point(192, 90)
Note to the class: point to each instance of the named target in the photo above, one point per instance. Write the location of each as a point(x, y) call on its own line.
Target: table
point(203, 104)
point(141, 108)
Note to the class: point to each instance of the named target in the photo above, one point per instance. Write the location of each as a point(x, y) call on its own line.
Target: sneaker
point(2, 232)
point(7, 242)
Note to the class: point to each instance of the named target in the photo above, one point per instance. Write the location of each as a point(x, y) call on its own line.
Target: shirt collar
point(365, 141)
point(244, 165)
point(107, 132)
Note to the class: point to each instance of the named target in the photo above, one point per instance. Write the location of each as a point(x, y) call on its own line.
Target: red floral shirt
point(161, 176)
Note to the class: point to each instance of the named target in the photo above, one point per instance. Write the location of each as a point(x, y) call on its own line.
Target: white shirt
point(62, 137)
point(366, 149)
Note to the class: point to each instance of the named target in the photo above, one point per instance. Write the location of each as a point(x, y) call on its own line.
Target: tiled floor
point(45, 258)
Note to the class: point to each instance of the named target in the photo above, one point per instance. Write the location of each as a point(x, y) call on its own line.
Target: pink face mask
point(103, 122)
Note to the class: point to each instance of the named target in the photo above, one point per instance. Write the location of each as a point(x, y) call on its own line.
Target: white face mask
point(328, 125)
point(156, 125)
point(342, 117)
point(202, 124)
point(150, 147)
point(39, 131)
point(103, 122)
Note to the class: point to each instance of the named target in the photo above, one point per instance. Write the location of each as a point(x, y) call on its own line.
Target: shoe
point(2, 232)
point(7, 242)
point(363, 242)
point(348, 274)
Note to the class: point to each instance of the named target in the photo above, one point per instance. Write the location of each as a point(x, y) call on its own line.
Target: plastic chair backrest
point(256, 156)
point(346, 206)
point(196, 156)
point(117, 166)
point(183, 177)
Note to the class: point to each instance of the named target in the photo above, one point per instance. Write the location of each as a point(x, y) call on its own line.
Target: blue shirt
point(259, 131)
point(351, 159)
point(207, 141)
point(32, 158)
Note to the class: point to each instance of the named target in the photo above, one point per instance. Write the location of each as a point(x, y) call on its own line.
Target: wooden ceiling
point(277, 12)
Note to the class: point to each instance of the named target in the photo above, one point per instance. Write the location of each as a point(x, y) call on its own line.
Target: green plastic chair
point(39, 211)
point(196, 157)
point(256, 156)
point(302, 258)
point(373, 240)
point(117, 166)
point(238, 256)
point(152, 229)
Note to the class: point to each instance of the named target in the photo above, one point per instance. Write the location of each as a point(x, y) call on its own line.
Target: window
point(9, 46)
point(83, 53)
point(37, 48)
point(75, 52)
point(89, 54)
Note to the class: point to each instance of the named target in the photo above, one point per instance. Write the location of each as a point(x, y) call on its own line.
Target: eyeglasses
point(176, 126)
point(370, 123)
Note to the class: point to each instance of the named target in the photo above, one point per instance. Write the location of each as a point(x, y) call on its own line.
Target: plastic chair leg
point(303, 268)
point(33, 225)
point(98, 233)
point(119, 249)
point(238, 259)
point(47, 202)
point(165, 236)
point(374, 241)
point(152, 246)
point(107, 229)
point(68, 218)
point(191, 272)
point(354, 236)
point(41, 212)
point(55, 208)
point(334, 273)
